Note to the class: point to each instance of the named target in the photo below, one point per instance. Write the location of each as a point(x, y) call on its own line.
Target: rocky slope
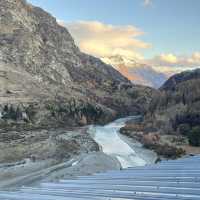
point(46, 81)
point(173, 118)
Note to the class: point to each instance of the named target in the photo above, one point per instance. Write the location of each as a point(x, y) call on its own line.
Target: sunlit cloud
point(104, 40)
point(194, 59)
point(168, 58)
point(175, 63)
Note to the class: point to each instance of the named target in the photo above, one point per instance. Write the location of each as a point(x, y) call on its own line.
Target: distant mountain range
point(136, 72)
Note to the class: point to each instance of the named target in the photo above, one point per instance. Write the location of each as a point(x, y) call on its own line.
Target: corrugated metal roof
point(168, 180)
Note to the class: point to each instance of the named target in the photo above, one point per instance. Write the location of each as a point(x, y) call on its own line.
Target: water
point(113, 144)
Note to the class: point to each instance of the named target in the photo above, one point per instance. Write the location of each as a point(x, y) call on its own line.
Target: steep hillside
point(46, 81)
point(171, 126)
point(177, 108)
point(178, 102)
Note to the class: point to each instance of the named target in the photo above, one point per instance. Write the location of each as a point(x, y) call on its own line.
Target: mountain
point(180, 78)
point(171, 125)
point(176, 107)
point(45, 80)
point(136, 72)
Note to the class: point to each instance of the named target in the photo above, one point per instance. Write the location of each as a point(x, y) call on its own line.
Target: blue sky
point(170, 26)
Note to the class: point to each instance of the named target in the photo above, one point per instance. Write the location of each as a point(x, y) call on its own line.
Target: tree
point(184, 129)
point(194, 136)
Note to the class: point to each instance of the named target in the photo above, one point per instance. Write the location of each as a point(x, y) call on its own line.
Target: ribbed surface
point(172, 180)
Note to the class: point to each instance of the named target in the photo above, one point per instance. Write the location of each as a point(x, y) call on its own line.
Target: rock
point(150, 139)
point(83, 121)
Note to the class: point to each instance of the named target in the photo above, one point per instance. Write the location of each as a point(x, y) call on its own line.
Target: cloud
point(147, 2)
point(175, 63)
point(103, 40)
point(164, 59)
point(194, 59)
point(168, 58)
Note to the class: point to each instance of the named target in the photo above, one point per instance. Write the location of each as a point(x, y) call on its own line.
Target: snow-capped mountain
point(136, 72)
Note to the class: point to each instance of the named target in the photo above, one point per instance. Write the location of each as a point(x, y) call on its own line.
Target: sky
point(161, 33)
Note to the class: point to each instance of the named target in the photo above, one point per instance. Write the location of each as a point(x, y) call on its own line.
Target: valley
point(66, 114)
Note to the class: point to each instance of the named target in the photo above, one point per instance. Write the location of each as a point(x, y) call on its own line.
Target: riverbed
point(112, 143)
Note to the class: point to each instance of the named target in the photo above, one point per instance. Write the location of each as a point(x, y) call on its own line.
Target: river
point(129, 154)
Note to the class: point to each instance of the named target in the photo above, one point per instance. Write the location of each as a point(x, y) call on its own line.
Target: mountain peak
point(135, 71)
point(120, 60)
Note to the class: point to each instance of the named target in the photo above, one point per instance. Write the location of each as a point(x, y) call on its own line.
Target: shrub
point(194, 136)
point(184, 129)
